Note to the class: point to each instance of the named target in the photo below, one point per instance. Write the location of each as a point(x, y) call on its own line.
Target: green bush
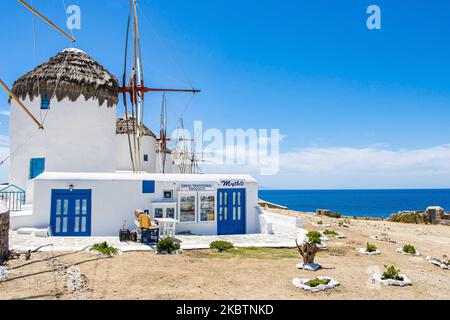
point(104, 249)
point(320, 222)
point(409, 249)
point(391, 273)
point(333, 215)
point(330, 233)
point(317, 282)
point(221, 245)
point(314, 237)
point(409, 217)
point(168, 245)
point(371, 247)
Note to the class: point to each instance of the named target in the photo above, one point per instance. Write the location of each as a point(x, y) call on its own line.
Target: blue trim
point(37, 166)
point(230, 226)
point(148, 186)
point(45, 103)
point(71, 197)
point(12, 186)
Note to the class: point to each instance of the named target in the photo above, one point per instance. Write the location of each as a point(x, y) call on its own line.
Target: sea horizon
point(379, 203)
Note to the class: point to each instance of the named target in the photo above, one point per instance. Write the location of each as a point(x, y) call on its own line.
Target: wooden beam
point(46, 20)
point(13, 96)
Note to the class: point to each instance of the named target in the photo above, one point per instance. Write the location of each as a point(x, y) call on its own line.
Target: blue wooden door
point(37, 166)
point(231, 211)
point(71, 213)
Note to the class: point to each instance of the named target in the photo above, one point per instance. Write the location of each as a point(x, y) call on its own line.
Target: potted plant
point(392, 277)
point(370, 250)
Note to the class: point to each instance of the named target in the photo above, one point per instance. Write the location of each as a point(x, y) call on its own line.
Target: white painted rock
point(383, 239)
point(438, 262)
point(301, 283)
point(3, 273)
point(364, 251)
point(400, 250)
point(320, 225)
point(309, 266)
point(389, 282)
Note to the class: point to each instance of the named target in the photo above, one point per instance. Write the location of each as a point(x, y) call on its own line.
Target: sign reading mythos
point(196, 187)
point(232, 183)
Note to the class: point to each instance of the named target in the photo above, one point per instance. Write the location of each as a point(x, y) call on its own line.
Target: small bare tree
point(307, 251)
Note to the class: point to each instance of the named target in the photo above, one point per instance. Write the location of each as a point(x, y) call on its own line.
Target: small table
point(167, 227)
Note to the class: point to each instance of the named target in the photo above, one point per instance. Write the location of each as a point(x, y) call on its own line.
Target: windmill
point(134, 87)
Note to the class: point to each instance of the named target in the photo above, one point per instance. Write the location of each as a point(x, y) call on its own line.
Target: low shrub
point(371, 247)
point(409, 217)
point(330, 233)
point(320, 222)
point(445, 260)
point(314, 237)
point(317, 282)
point(104, 249)
point(407, 248)
point(168, 245)
point(391, 273)
point(221, 245)
point(333, 215)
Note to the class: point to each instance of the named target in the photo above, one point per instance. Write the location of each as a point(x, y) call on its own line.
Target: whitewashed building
point(77, 172)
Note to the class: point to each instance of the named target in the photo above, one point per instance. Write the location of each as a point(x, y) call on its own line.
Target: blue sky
point(342, 95)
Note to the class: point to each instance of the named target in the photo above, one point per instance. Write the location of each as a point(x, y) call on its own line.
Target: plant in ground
point(104, 249)
point(320, 222)
point(317, 282)
point(445, 260)
point(221, 245)
point(391, 273)
point(314, 237)
point(330, 233)
point(309, 248)
point(371, 247)
point(168, 245)
point(333, 215)
point(409, 249)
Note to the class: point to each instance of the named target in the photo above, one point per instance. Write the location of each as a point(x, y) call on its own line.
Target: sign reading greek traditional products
point(232, 183)
point(196, 187)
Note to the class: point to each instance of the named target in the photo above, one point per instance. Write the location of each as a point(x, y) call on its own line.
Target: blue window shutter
point(37, 166)
point(146, 157)
point(148, 186)
point(45, 103)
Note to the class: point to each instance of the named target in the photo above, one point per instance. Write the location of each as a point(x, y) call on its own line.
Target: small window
point(168, 195)
point(148, 186)
point(159, 213)
point(145, 157)
point(45, 103)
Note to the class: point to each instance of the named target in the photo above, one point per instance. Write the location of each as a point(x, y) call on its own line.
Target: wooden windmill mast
point(136, 89)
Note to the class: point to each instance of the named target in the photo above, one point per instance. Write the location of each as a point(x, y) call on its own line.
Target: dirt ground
point(246, 273)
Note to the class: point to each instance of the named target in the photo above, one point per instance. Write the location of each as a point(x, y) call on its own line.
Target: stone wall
point(4, 233)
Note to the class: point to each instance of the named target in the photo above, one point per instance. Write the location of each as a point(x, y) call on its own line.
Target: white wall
point(115, 200)
point(78, 137)
point(123, 160)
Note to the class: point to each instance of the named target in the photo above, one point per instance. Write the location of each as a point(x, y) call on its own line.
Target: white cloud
point(5, 113)
point(4, 168)
point(372, 167)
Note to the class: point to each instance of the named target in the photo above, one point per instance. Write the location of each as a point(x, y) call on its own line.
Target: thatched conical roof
point(72, 73)
point(122, 128)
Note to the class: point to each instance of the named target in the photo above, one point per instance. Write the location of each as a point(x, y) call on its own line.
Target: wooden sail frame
point(46, 20)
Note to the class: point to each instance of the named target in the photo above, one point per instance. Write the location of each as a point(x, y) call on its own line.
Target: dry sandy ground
point(262, 274)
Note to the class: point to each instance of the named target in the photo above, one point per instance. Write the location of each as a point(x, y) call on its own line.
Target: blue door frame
point(71, 213)
point(231, 211)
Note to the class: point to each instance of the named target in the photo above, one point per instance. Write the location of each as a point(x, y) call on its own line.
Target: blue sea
point(359, 203)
